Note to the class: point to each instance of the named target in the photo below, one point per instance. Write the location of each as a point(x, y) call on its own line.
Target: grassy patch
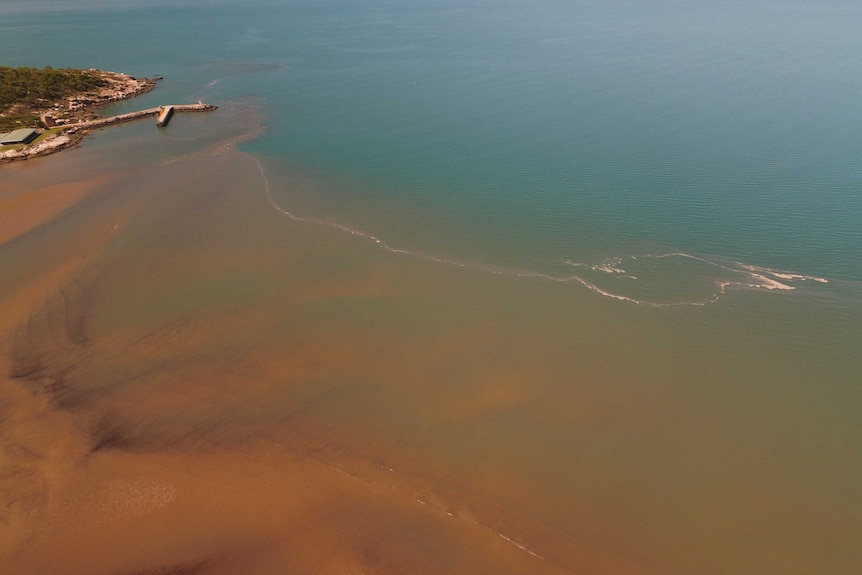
point(47, 134)
point(7, 124)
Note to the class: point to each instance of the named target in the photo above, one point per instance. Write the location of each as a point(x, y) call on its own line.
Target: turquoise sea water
point(555, 137)
point(698, 158)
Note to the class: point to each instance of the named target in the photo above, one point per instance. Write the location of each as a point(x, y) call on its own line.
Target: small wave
point(784, 275)
point(725, 275)
point(763, 277)
point(607, 265)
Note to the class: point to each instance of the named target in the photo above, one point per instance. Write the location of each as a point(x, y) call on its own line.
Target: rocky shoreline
point(84, 107)
point(76, 109)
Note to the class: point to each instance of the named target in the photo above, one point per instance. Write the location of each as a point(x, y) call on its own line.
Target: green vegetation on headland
point(60, 107)
point(26, 91)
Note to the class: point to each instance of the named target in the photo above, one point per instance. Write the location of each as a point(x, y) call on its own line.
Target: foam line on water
point(766, 278)
point(784, 275)
point(759, 278)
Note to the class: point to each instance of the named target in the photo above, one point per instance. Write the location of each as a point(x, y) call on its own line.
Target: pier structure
point(131, 116)
point(165, 115)
point(69, 135)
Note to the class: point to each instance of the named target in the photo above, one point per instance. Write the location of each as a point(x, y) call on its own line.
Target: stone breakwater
point(71, 135)
point(131, 116)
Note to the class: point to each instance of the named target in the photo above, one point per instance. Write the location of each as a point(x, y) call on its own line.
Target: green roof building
point(22, 136)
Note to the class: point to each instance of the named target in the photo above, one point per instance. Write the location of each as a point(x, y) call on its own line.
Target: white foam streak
point(607, 265)
point(784, 275)
point(436, 507)
point(749, 272)
point(754, 277)
point(521, 547)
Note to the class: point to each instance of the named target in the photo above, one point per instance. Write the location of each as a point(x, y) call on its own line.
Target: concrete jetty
point(72, 134)
point(131, 116)
point(165, 115)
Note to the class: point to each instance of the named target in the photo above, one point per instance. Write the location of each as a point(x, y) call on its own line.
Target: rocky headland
point(64, 121)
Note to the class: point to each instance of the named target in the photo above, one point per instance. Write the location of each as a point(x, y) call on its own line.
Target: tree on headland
point(36, 89)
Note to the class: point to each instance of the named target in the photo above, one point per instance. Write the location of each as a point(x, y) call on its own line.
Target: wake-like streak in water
point(732, 274)
point(751, 277)
point(439, 508)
